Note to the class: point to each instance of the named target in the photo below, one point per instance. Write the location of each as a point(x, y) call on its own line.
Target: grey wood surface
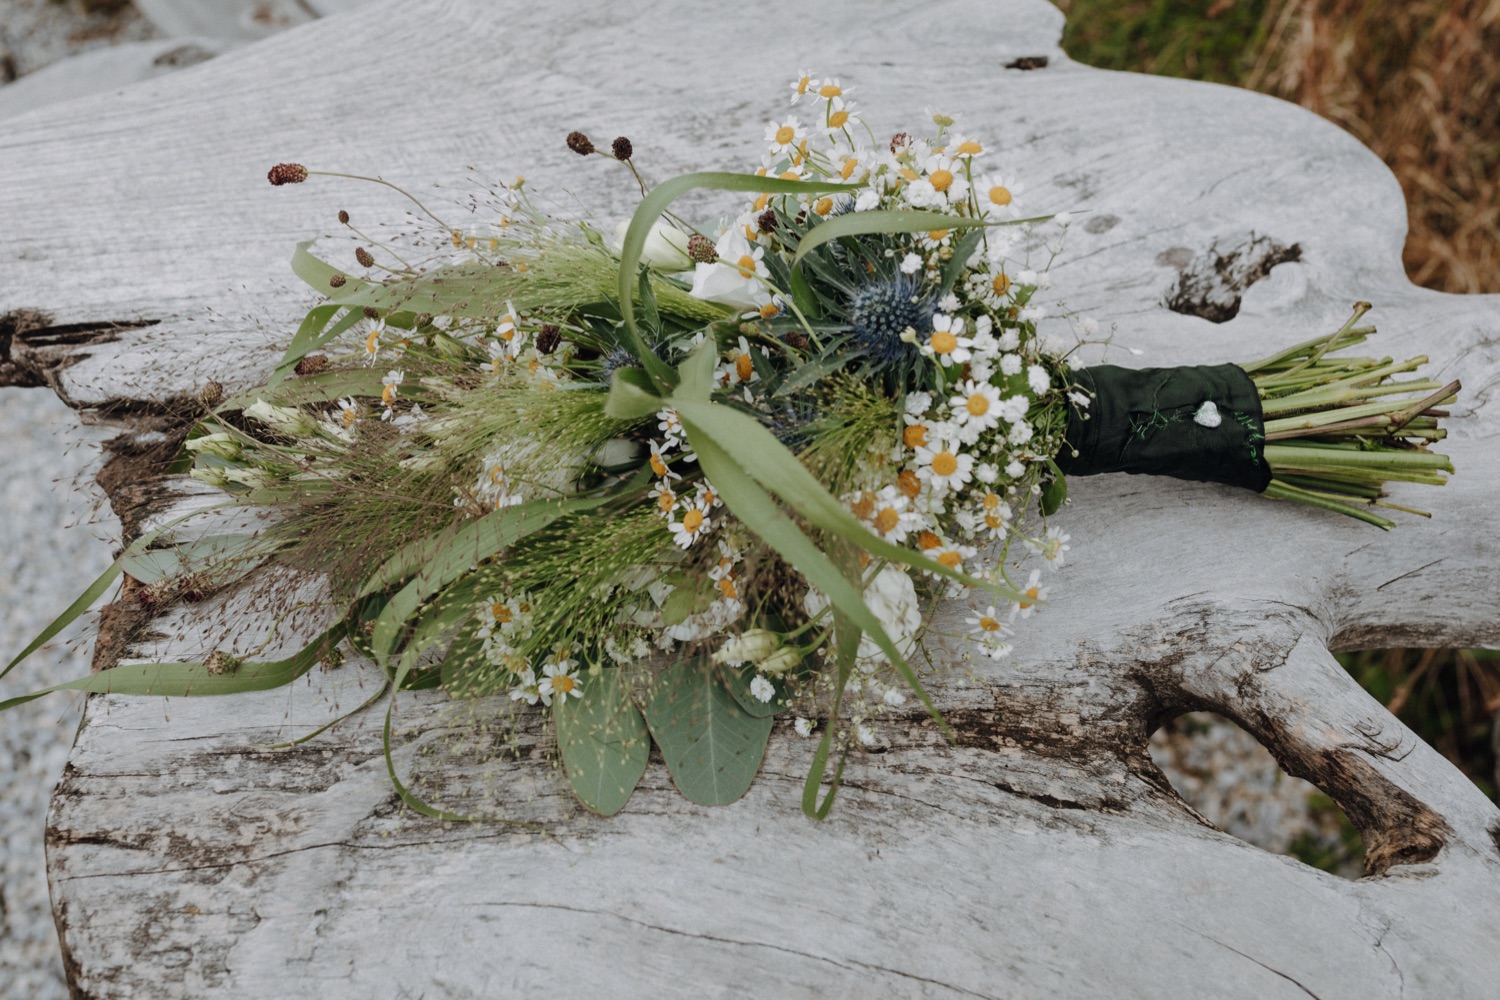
point(144, 255)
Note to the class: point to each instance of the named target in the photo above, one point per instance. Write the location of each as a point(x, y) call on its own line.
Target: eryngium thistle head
point(881, 312)
point(615, 360)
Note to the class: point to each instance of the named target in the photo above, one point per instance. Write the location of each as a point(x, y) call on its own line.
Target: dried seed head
point(220, 662)
point(211, 394)
point(364, 257)
point(579, 143)
point(336, 281)
point(331, 657)
point(898, 140)
point(547, 338)
point(313, 364)
point(701, 249)
point(343, 217)
point(622, 148)
point(287, 173)
point(766, 221)
point(371, 312)
point(795, 339)
point(423, 319)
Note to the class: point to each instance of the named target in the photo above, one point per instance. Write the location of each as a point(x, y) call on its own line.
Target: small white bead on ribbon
point(1208, 415)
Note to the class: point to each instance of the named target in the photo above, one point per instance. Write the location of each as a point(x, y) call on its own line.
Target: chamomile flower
point(670, 425)
point(947, 343)
point(965, 147)
point(1032, 593)
point(890, 515)
point(658, 459)
point(997, 195)
point(990, 633)
point(839, 116)
point(944, 466)
point(391, 386)
point(694, 525)
point(372, 341)
point(800, 87)
point(784, 136)
point(664, 497)
point(740, 369)
point(976, 407)
point(559, 682)
point(527, 689)
point(1052, 546)
point(349, 412)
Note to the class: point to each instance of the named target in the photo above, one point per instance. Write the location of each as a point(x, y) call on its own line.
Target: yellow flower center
point(562, 684)
point(785, 134)
point(941, 180)
point(744, 367)
point(847, 170)
point(993, 521)
point(1033, 593)
point(665, 501)
point(500, 612)
point(838, 118)
point(944, 342)
point(863, 507)
point(350, 417)
point(830, 91)
point(802, 85)
point(970, 148)
point(936, 235)
point(991, 501)
point(790, 175)
point(746, 265)
point(908, 173)
point(727, 588)
point(1000, 195)
point(951, 559)
point(886, 520)
point(908, 483)
point(762, 202)
point(692, 520)
point(914, 436)
point(927, 540)
point(768, 310)
point(944, 463)
point(978, 404)
point(657, 465)
point(372, 342)
point(989, 624)
point(823, 206)
point(388, 395)
point(1001, 284)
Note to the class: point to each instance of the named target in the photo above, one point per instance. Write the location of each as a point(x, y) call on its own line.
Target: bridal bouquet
point(665, 482)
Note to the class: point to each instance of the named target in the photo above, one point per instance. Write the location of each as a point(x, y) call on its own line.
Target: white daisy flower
point(392, 385)
point(944, 465)
point(990, 633)
point(559, 682)
point(802, 85)
point(526, 688)
point(976, 407)
point(695, 524)
point(997, 196)
point(1052, 546)
point(1030, 595)
point(947, 342)
point(784, 136)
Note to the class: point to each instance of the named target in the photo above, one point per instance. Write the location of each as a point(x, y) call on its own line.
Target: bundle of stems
point(1339, 428)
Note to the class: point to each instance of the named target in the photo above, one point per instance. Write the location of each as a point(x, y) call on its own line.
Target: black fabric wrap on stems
point(1141, 421)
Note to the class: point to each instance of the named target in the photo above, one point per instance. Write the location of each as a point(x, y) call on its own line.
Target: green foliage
point(603, 740)
point(712, 746)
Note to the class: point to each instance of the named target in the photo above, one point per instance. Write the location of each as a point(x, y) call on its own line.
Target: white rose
point(665, 248)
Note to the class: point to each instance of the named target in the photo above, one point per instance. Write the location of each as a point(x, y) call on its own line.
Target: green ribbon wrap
point(1147, 421)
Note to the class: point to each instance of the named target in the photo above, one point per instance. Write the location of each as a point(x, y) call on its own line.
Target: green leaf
point(962, 251)
point(632, 395)
point(314, 332)
point(695, 376)
point(845, 651)
point(760, 514)
point(437, 562)
point(215, 551)
point(316, 271)
point(880, 221)
point(737, 681)
point(1054, 491)
point(650, 209)
point(603, 740)
point(712, 746)
point(802, 294)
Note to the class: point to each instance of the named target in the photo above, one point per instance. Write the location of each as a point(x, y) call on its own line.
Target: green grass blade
point(879, 221)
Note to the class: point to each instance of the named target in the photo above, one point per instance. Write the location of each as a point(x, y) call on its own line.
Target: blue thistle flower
point(882, 310)
point(615, 360)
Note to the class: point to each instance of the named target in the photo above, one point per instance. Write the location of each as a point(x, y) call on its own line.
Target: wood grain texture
point(1044, 853)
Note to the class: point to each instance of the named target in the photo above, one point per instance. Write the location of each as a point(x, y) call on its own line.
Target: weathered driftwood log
point(1043, 853)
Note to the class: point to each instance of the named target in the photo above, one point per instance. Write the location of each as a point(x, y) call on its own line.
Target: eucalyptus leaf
point(603, 740)
point(712, 746)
